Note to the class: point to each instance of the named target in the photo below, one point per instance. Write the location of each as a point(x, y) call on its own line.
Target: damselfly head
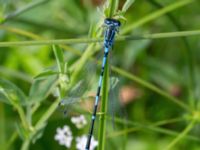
point(112, 22)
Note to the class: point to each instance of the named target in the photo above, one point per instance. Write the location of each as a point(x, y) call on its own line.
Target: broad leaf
point(10, 93)
point(46, 74)
point(39, 133)
point(41, 89)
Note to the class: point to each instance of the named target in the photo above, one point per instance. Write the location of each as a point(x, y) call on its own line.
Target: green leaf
point(113, 7)
point(39, 133)
point(110, 8)
point(23, 134)
point(10, 93)
point(59, 57)
point(91, 31)
point(127, 5)
point(46, 74)
point(133, 51)
point(1, 12)
point(41, 89)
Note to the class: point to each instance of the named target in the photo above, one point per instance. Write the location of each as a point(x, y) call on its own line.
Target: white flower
point(79, 121)
point(81, 143)
point(64, 136)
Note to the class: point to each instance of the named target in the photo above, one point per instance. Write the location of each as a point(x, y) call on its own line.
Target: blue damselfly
point(112, 26)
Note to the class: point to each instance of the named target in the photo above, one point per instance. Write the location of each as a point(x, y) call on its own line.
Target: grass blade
point(104, 102)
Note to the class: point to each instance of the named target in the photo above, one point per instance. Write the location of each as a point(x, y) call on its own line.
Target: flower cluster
point(79, 121)
point(64, 135)
point(81, 141)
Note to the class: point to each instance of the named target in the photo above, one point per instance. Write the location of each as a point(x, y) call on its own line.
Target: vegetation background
point(159, 76)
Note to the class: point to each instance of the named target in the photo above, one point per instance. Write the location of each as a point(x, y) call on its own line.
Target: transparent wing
point(115, 107)
point(86, 84)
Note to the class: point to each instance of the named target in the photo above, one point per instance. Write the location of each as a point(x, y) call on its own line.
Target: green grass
point(164, 71)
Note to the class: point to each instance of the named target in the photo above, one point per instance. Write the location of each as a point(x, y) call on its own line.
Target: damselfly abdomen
point(112, 26)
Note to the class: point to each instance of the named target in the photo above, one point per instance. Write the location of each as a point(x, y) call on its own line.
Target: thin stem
point(95, 40)
point(148, 36)
point(35, 36)
point(15, 74)
point(43, 26)
point(159, 123)
point(152, 87)
point(25, 145)
point(11, 140)
point(158, 35)
point(188, 54)
point(168, 121)
point(21, 32)
point(2, 126)
point(40, 123)
point(112, 8)
point(102, 126)
point(83, 59)
point(47, 114)
point(24, 9)
point(22, 116)
point(29, 115)
point(155, 128)
point(156, 14)
point(181, 135)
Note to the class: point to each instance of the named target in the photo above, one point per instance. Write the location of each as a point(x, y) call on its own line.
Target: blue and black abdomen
point(112, 26)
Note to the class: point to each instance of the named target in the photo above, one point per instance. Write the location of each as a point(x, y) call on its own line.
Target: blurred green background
point(171, 65)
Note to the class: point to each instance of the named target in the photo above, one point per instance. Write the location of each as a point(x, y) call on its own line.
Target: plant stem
point(2, 126)
point(95, 40)
point(155, 129)
point(188, 54)
point(15, 74)
point(47, 114)
point(152, 87)
point(11, 140)
point(25, 145)
point(134, 78)
point(83, 59)
point(181, 135)
point(112, 8)
point(104, 101)
point(22, 116)
point(133, 129)
point(21, 32)
point(35, 36)
point(156, 14)
point(24, 9)
point(40, 124)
